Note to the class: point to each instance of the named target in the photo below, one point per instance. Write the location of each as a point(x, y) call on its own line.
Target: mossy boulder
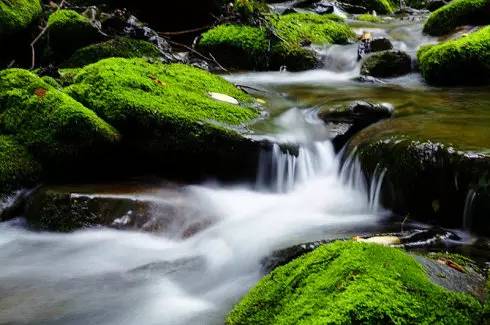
point(168, 108)
point(369, 18)
point(17, 166)
point(69, 31)
point(53, 126)
point(283, 43)
point(386, 64)
point(458, 13)
point(462, 61)
point(121, 47)
point(349, 282)
point(17, 15)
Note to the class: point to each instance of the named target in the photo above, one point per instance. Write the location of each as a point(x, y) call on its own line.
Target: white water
point(99, 276)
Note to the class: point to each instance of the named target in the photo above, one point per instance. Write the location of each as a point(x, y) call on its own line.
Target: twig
point(11, 64)
point(196, 52)
point(189, 31)
point(217, 63)
point(403, 223)
point(43, 31)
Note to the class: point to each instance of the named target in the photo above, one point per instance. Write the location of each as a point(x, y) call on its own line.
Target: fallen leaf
point(223, 98)
point(40, 92)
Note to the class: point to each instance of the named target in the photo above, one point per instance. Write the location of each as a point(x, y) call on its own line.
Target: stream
point(105, 276)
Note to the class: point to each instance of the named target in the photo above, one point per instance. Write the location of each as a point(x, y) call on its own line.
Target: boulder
point(17, 15)
point(168, 108)
point(56, 129)
point(381, 44)
point(353, 282)
point(458, 13)
point(353, 118)
point(387, 64)
point(247, 47)
point(362, 6)
point(457, 62)
point(69, 31)
point(121, 47)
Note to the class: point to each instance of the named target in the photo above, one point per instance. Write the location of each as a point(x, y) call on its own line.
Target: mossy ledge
point(167, 107)
point(349, 282)
point(462, 61)
point(258, 48)
point(458, 13)
point(16, 15)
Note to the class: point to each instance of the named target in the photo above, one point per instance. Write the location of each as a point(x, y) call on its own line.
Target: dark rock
point(380, 44)
point(369, 79)
point(433, 5)
point(387, 64)
point(354, 118)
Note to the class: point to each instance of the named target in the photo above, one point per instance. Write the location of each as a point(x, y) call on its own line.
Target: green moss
point(261, 48)
point(369, 18)
point(167, 107)
point(352, 282)
point(245, 46)
point(458, 13)
point(17, 167)
point(52, 82)
point(69, 31)
point(462, 61)
point(121, 47)
point(51, 124)
point(16, 15)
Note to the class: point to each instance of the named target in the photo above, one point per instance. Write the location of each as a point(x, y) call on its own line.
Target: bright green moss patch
point(17, 167)
point(458, 13)
point(167, 107)
point(16, 15)
point(462, 61)
point(236, 45)
point(51, 124)
point(352, 282)
point(369, 18)
point(122, 47)
point(69, 31)
point(260, 48)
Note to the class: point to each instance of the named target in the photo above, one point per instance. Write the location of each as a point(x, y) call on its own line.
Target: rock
point(387, 64)
point(18, 15)
point(381, 44)
point(349, 282)
point(458, 13)
point(17, 168)
point(354, 118)
point(432, 173)
point(121, 47)
point(362, 6)
point(457, 62)
point(248, 47)
point(321, 7)
point(174, 117)
point(69, 31)
point(369, 18)
point(57, 130)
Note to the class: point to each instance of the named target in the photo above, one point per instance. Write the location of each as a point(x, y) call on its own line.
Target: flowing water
point(104, 276)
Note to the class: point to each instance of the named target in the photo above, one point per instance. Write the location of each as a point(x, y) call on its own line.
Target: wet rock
point(426, 176)
point(387, 64)
point(369, 79)
point(319, 7)
point(354, 118)
point(380, 44)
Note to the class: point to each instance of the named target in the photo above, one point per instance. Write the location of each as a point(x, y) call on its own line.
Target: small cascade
point(468, 209)
point(280, 171)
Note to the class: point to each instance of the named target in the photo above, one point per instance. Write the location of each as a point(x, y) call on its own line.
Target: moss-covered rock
point(387, 64)
point(121, 47)
point(168, 108)
point(462, 61)
point(380, 6)
point(16, 15)
point(17, 166)
point(53, 126)
point(369, 18)
point(283, 43)
point(458, 13)
point(353, 282)
point(69, 31)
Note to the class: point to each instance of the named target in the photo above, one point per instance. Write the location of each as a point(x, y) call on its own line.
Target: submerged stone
point(465, 60)
point(387, 64)
point(352, 282)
